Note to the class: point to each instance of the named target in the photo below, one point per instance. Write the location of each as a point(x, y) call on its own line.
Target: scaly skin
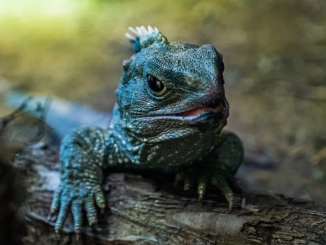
point(170, 111)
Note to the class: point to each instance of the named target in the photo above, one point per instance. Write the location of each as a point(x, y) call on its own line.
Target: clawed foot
point(84, 196)
point(203, 178)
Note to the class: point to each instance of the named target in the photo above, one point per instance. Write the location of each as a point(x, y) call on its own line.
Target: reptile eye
point(155, 84)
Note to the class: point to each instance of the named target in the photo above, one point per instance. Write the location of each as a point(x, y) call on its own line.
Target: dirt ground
point(274, 53)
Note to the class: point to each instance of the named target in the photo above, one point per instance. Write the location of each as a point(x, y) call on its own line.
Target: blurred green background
point(274, 53)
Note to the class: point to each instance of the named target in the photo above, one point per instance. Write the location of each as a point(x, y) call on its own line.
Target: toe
point(56, 201)
point(187, 185)
point(202, 185)
point(223, 185)
point(188, 176)
point(77, 213)
point(91, 210)
point(99, 198)
point(178, 178)
point(62, 215)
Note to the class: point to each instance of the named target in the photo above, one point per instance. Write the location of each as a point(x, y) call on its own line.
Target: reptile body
point(170, 112)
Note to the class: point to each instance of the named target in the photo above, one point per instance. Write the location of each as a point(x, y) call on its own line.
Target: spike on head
point(145, 37)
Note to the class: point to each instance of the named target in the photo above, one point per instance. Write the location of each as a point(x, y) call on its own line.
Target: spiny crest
point(145, 37)
point(141, 32)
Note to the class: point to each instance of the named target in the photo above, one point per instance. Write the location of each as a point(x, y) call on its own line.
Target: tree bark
point(147, 210)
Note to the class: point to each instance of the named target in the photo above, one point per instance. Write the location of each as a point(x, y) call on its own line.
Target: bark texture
point(147, 210)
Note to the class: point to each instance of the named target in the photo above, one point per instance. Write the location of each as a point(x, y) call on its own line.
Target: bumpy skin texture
point(170, 111)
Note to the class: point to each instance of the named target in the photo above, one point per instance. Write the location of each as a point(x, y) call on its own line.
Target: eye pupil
point(154, 84)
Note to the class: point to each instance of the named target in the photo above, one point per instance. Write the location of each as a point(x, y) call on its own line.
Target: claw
point(58, 234)
point(93, 223)
point(95, 226)
point(187, 186)
point(229, 209)
point(230, 206)
point(201, 189)
point(48, 217)
point(223, 185)
point(201, 196)
point(77, 236)
point(177, 179)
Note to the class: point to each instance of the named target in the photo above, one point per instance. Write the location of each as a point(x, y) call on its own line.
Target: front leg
point(217, 168)
point(83, 157)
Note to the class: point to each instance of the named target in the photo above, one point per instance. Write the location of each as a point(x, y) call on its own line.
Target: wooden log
point(146, 210)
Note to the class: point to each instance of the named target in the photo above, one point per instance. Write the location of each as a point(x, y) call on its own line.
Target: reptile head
point(172, 94)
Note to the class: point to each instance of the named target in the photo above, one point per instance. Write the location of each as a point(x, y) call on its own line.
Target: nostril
point(217, 106)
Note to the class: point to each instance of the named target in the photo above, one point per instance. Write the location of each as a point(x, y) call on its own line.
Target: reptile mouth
point(197, 111)
point(217, 109)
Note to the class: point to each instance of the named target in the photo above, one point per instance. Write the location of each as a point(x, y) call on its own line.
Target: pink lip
point(201, 109)
point(193, 113)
